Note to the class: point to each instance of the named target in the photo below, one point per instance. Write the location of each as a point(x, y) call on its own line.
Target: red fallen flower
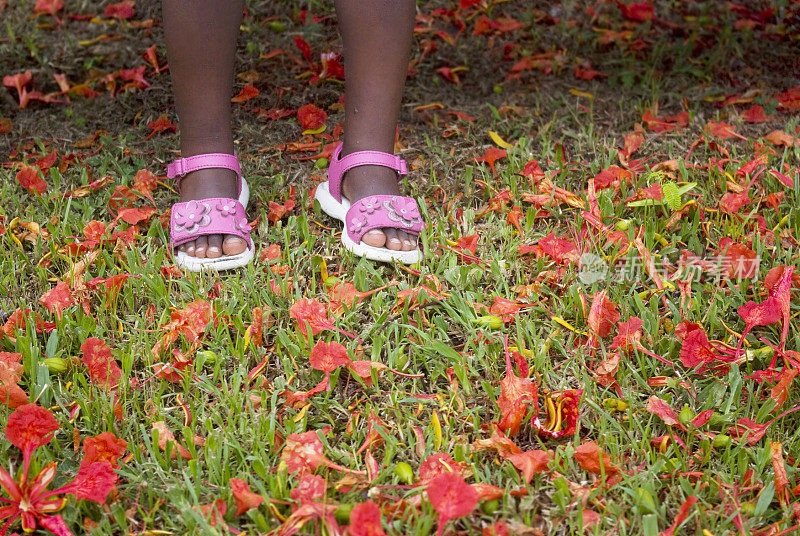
point(492, 155)
point(505, 309)
point(278, 211)
point(310, 314)
point(29, 178)
point(665, 124)
point(122, 10)
point(562, 414)
point(48, 7)
point(515, 395)
point(451, 497)
point(162, 124)
point(663, 410)
point(437, 464)
point(637, 11)
point(697, 350)
point(29, 500)
point(57, 298)
point(103, 368)
point(248, 92)
point(191, 321)
point(310, 117)
point(11, 370)
point(304, 452)
point(603, 314)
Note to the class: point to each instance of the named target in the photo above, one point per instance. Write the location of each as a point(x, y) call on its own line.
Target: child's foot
point(363, 181)
point(201, 184)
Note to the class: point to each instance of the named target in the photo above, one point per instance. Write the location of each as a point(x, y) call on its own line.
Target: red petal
point(327, 357)
point(438, 464)
point(310, 488)
point(248, 92)
point(589, 455)
point(603, 314)
point(56, 525)
point(451, 497)
point(311, 312)
point(57, 298)
point(101, 365)
point(659, 407)
point(365, 520)
point(121, 10)
point(245, 499)
point(30, 178)
point(94, 482)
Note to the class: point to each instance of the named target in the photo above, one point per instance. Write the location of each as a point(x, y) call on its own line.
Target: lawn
point(601, 339)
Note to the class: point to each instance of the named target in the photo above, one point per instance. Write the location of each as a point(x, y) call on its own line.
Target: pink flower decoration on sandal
point(243, 226)
point(192, 216)
point(226, 208)
point(370, 205)
point(403, 210)
point(358, 223)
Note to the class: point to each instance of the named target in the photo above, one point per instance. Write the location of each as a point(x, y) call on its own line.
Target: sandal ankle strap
point(182, 166)
point(341, 164)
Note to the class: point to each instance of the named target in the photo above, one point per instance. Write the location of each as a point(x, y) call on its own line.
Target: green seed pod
point(56, 364)
point(404, 473)
point(622, 225)
point(331, 281)
point(342, 513)
point(321, 163)
point(207, 356)
point(686, 415)
point(721, 441)
point(276, 26)
point(490, 507)
point(490, 321)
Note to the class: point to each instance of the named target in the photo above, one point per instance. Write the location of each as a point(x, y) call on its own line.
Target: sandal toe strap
point(214, 215)
point(379, 211)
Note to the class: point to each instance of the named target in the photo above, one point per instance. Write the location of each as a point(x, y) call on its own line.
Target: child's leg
point(377, 38)
point(201, 45)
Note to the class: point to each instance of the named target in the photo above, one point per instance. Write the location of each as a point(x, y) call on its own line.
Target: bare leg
point(377, 39)
point(201, 45)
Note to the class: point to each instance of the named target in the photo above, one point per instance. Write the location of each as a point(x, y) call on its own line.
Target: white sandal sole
point(338, 210)
point(225, 262)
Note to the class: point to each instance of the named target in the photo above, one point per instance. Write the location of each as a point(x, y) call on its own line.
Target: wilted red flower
point(29, 500)
point(562, 414)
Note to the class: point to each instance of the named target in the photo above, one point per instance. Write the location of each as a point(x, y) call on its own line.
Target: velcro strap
point(182, 166)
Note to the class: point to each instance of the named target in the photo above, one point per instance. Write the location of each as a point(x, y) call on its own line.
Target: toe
point(190, 249)
point(393, 242)
point(214, 246)
point(374, 238)
point(233, 245)
point(200, 247)
point(405, 238)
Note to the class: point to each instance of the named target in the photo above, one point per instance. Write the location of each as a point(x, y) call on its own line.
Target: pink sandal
point(214, 215)
point(373, 212)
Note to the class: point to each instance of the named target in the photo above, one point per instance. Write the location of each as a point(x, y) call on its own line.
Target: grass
point(234, 426)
